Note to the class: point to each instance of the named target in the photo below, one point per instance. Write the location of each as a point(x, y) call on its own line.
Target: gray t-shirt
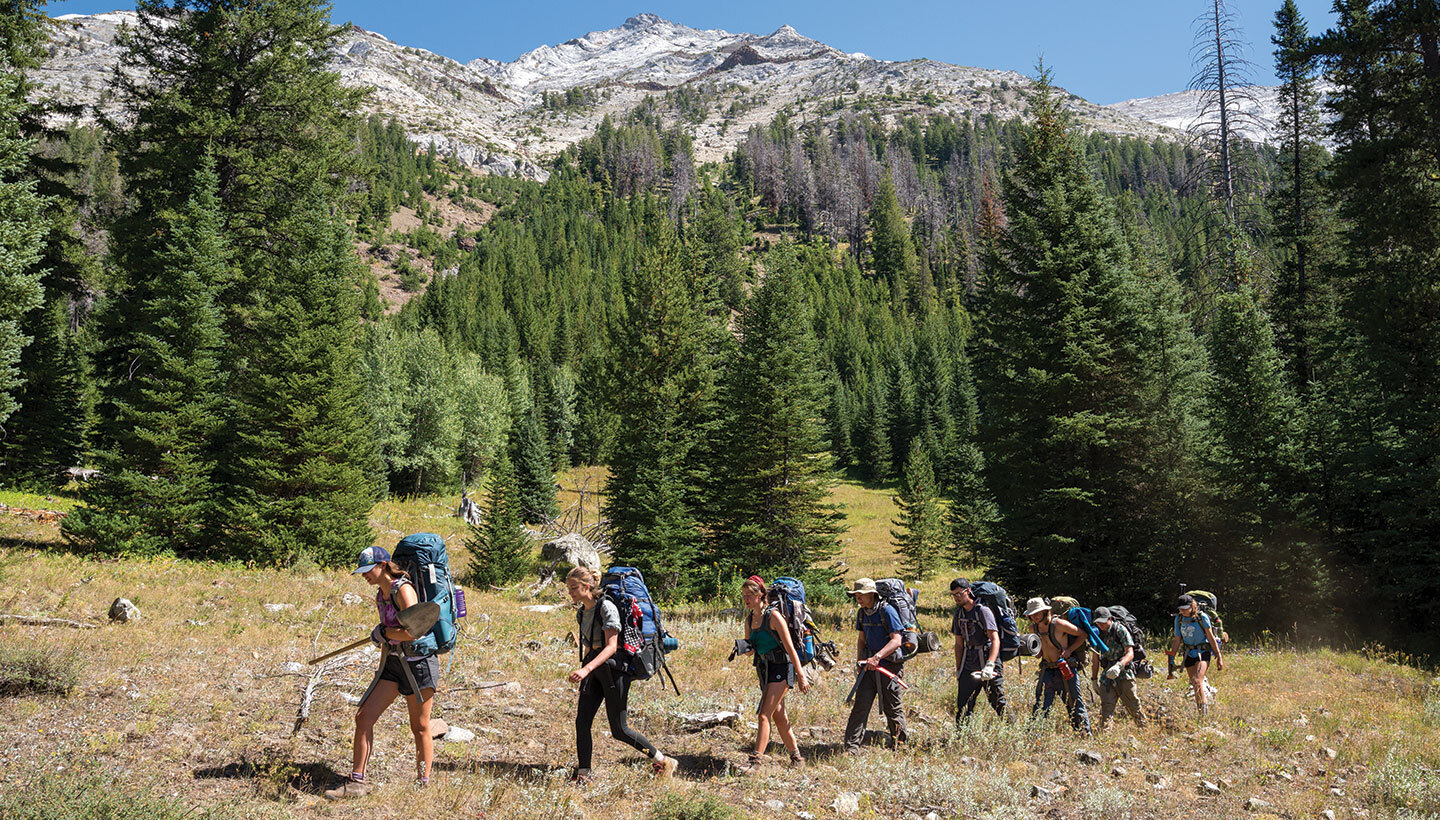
point(973, 628)
point(592, 637)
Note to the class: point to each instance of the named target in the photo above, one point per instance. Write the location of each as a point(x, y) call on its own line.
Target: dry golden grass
point(195, 700)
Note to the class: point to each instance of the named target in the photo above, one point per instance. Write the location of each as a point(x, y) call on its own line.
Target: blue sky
point(1105, 50)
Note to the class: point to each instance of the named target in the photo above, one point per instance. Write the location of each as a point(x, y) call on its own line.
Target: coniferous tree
point(156, 493)
point(1386, 480)
point(774, 515)
point(22, 232)
point(534, 474)
point(1303, 300)
point(664, 384)
point(1067, 427)
point(299, 479)
point(1257, 425)
point(920, 541)
point(47, 431)
point(500, 552)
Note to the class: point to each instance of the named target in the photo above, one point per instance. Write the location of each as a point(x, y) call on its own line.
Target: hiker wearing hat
point(876, 648)
point(1193, 631)
point(601, 681)
point(1118, 681)
point(400, 674)
point(778, 667)
point(977, 652)
point(1059, 640)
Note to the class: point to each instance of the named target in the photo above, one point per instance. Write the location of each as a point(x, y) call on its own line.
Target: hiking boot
point(665, 769)
point(422, 783)
point(753, 763)
point(796, 760)
point(350, 788)
point(581, 777)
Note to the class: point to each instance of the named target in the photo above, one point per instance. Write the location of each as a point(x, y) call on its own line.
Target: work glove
point(1113, 672)
point(377, 635)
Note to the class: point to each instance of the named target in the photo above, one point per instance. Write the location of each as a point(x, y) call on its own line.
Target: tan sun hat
point(1035, 605)
point(863, 585)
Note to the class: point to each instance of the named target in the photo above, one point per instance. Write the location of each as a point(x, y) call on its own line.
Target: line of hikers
point(622, 639)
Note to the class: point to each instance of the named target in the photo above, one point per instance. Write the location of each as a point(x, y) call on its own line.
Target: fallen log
point(36, 620)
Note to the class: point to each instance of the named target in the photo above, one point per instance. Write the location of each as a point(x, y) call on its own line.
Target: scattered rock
point(353, 700)
point(1330, 753)
point(1337, 791)
point(193, 622)
point(1256, 804)
point(699, 721)
point(1046, 795)
point(1284, 775)
point(278, 607)
point(1207, 788)
point(518, 711)
point(968, 761)
point(1152, 778)
point(1088, 757)
point(351, 599)
point(123, 612)
point(292, 667)
point(1118, 771)
point(438, 727)
point(572, 549)
point(846, 803)
point(775, 805)
point(1327, 815)
point(532, 645)
point(542, 608)
point(805, 815)
point(459, 735)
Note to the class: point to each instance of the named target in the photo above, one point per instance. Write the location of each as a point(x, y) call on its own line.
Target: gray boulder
point(123, 612)
point(572, 549)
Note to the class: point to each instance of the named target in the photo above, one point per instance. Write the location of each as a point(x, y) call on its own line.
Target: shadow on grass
point(310, 777)
point(508, 769)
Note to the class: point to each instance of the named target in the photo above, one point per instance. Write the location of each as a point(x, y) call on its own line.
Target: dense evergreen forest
point(1082, 368)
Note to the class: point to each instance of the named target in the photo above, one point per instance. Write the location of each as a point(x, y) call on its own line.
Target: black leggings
point(614, 690)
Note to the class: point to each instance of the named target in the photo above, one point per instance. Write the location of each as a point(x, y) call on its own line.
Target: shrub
point(83, 795)
point(1405, 783)
point(691, 806)
point(34, 670)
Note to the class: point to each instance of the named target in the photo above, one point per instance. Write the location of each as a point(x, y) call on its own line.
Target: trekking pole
point(851, 697)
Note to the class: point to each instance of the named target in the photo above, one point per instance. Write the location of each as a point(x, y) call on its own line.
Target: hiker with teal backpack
point(406, 670)
point(879, 662)
point(1118, 663)
point(603, 678)
point(977, 652)
point(1194, 632)
point(1060, 640)
point(778, 666)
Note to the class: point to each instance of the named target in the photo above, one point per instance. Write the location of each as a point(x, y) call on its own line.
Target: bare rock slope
point(507, 118)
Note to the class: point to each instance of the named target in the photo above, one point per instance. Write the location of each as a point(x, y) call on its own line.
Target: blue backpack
point(787, 596)
point(422, 555)
point(997, 600)
point(643, 639)
point(1080, 617)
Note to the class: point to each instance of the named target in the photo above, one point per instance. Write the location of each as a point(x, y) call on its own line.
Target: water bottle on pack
point(1065, 671)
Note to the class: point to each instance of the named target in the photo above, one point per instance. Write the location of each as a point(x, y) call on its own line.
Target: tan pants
point(1122, 690)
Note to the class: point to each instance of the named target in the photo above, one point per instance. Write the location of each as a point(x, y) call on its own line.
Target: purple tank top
point(389, 614)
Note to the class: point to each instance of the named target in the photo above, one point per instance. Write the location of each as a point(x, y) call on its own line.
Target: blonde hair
point(751, 585)
point(584, 575)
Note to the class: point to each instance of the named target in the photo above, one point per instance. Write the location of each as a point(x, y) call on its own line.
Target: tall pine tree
point(156, 492)
point(500, 552)
point(774, 514)
point(920, 539)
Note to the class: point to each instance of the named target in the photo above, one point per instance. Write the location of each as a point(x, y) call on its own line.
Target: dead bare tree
point(1228, 111)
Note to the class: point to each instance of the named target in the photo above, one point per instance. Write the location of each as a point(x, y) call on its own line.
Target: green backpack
point(1210, 605)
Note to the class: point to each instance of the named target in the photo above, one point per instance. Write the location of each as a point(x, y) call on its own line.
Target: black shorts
point(1194, 655)
point(425, 670)
point(774, 672)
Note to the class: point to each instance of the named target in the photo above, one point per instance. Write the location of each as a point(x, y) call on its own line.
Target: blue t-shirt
point(877, 625)
point(1192, 630)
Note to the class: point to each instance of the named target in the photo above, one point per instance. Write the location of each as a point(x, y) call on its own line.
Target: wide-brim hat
point(1035, 605)
point(863, 585)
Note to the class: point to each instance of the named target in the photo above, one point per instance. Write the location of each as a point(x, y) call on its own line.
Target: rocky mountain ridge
point(509, 118)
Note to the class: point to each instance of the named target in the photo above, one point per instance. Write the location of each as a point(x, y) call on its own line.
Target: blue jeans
point(1052, 683)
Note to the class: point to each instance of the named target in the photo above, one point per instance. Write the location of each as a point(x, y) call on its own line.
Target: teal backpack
point(422, 555)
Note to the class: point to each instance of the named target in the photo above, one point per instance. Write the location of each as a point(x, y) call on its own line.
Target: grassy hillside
point(194, 705)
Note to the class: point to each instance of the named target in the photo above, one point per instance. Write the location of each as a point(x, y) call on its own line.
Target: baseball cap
point(369, 557)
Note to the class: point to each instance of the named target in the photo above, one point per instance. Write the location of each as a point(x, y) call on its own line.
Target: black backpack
point(1140, 664)
point(994, 597)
